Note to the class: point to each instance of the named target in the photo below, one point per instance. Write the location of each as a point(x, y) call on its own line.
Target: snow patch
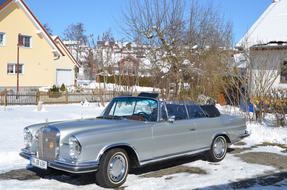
point(263, 133)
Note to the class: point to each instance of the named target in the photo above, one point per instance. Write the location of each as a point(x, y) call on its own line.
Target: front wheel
point(113, 169)
point(218, 149)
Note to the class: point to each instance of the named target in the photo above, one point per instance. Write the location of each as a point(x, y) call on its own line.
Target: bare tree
point(48, 29)
point(264, 67)
point(180, 36)
point(159, 23)
point(76, 33)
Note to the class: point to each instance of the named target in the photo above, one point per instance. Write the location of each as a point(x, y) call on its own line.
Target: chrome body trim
point(48, 136)
point(220, 133)
point(107, 147)
point(167, 157)
point(86, 167)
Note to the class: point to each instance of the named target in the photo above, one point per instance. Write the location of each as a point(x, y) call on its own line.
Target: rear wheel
point(218, 149)
point(113, 169)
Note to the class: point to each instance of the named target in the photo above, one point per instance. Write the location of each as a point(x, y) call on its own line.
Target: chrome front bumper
point(77, 168)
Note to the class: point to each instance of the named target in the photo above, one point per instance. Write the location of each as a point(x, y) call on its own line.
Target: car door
point(205, 127)
point(170, 138)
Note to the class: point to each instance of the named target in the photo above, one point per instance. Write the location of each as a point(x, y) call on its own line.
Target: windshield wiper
point(110, 117)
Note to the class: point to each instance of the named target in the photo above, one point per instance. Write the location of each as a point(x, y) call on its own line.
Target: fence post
point(67, 97)
point(37, 97)
point(5, 97)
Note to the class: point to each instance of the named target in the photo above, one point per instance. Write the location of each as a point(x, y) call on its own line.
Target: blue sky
point(101, 15)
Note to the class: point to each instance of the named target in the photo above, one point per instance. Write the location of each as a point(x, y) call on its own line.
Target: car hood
point(89, 123)
point(68, 128)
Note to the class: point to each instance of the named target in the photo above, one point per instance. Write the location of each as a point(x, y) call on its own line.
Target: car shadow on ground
point(152, 170)
point(159, 169)
point(169, 167)
point(277, 180)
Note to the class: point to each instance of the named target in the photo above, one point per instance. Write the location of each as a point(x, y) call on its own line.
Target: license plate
point(39, 163)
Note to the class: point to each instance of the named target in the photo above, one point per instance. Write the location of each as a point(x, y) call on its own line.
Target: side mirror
point(171, 119)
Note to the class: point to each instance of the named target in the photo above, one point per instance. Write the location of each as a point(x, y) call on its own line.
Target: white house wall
point(267, 62)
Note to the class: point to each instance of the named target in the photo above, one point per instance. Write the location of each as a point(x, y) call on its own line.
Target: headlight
point(75, 148)
point(28, 137)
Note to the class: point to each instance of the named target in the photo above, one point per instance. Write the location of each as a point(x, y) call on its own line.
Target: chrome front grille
point(48, 143)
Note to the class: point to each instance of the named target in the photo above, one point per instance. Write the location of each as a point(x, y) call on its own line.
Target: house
point(110, 58)
point(123, 58)
point(25, 45)
point(265, 45)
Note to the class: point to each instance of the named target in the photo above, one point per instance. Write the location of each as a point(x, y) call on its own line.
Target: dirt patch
point(175, 170)
point(238, 150)
point(50, 174)
point(21, 175)
point(265, 158)
point(240, 143)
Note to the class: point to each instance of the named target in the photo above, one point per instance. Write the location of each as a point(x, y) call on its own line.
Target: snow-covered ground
point(260, 133)
point(218, 175)
point(14, 118)
point(111, 86)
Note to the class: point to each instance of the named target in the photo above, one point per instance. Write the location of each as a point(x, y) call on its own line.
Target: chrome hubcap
point(117, 168)
point(219, 147)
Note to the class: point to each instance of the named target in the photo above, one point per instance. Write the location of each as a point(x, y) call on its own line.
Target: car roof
point(136, 97)
point(177, 102)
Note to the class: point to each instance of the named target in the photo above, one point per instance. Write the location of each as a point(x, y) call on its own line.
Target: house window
point(2, 38)
point(25, 41)
point(12, 68)
point(283, 76)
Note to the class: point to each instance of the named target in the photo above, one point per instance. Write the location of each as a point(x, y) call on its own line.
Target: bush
point(63, 88)
point(54, 92)
point(54, 89)
point(129, 80)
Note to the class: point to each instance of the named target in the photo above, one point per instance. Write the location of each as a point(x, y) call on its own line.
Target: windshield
point(142, 109)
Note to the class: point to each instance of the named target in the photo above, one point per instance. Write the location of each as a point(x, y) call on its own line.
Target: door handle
point(192, 129)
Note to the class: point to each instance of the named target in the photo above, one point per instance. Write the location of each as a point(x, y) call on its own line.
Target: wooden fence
point(32, 98)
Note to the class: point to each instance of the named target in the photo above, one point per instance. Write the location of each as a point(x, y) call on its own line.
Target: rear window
point(210, 110)
point(195, 111)
point(178, 111)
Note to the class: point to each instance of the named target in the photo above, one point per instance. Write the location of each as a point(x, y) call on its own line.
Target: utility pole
point(20, 43)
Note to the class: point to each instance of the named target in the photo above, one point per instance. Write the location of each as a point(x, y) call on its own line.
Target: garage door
point(64, 76)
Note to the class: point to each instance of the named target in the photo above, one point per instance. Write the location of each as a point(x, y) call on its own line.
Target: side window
point(163, 114)
point(147, 107)
point(195, 111)
point(210, 110)
point(178, 111)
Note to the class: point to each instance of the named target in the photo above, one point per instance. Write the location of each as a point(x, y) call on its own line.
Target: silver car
point(131, 132)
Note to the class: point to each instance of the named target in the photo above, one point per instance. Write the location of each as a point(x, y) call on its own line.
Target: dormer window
point(25, 41)
point(2, 39)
